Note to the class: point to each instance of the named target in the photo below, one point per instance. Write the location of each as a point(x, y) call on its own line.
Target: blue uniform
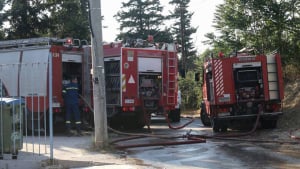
point(70, 93)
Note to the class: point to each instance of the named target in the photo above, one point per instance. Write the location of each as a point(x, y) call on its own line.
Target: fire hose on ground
point(137, 136)
point(292, 136)
point(178, 127)
point(190, 138)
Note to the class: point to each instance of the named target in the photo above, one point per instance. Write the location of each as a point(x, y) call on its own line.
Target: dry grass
point(291, 106)
point(190, 112)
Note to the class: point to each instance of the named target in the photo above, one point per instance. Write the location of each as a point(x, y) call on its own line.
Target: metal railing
point(25, 121)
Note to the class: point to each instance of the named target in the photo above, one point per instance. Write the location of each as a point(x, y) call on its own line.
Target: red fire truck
point(25, 72)
point(237, 89)
point(141, 79)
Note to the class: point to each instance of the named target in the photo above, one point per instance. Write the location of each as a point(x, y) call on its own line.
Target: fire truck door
point(71, 66)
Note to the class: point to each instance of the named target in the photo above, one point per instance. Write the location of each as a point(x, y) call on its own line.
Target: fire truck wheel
point(223, 128)
point(133, 124)
point(114, 122)
point(269, 124)
point(204, 118)
point(174, 115)
point(215, 125)
point(142, 119)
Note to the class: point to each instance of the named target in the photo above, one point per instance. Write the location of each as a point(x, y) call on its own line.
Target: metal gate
point(26, 128)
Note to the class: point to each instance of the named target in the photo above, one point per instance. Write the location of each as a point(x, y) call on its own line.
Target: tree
point(140, 18)
point(69, 18)
point(183, 31)
point(190, 91)
point(2, 34)
point(264, 25)
point(26, 18)
point(36, 18)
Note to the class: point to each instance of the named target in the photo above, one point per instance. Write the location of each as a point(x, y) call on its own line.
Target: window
point(247, 75)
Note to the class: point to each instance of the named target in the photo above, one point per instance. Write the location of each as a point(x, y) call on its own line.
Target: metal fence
point(26, 129)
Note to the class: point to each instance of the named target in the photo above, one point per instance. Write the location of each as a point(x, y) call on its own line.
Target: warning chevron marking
point(131, 80)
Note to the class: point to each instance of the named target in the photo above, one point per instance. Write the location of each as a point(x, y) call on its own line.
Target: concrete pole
point(182, 31)
point(100, 117)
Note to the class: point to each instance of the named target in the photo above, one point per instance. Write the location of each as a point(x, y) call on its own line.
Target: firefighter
point(70, 94)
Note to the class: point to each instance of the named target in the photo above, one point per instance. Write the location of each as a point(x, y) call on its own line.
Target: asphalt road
point(261, 149)
point(249, 152)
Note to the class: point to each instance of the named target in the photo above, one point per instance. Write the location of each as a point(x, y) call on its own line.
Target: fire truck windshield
point(247, 76)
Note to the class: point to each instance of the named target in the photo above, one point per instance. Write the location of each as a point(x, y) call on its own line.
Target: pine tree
point(27, 19)
point(55, 18)
point(69, 18)
point(2, 34)
point(183, 31)
point(140, 18)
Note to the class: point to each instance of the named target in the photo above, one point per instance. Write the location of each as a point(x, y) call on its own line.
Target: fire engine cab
point(238, 88)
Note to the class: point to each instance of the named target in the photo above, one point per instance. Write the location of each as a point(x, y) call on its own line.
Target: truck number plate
point(129, 101)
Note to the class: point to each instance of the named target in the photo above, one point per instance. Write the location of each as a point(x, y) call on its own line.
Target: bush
point(191, 93)
point(290, 72)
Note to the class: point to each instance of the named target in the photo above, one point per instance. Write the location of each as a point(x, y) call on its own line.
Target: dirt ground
point(291, 107)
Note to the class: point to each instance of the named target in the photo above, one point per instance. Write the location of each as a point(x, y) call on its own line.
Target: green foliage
point(69, 18)
point(264, 25)
point(2, 33)
point(27, 19)
point(183, 31)
point(36, 18)
point(191, 93)
point(140, 18)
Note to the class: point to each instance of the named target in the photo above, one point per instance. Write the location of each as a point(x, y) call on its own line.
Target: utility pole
point(182, 31)
point(100, 117)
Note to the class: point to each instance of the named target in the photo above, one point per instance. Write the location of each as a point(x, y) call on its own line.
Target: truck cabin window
point(247, 76)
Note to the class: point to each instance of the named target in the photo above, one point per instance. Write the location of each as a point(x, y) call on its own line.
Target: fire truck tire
point(133, 123)
point(136, 121)
point(215, 125)
point(269, 124)
point(216, 128)
point(204, 118)
point(114, 122)
point(174, 115)
point(224, 128)
point(142, 119)
point(140, 125)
